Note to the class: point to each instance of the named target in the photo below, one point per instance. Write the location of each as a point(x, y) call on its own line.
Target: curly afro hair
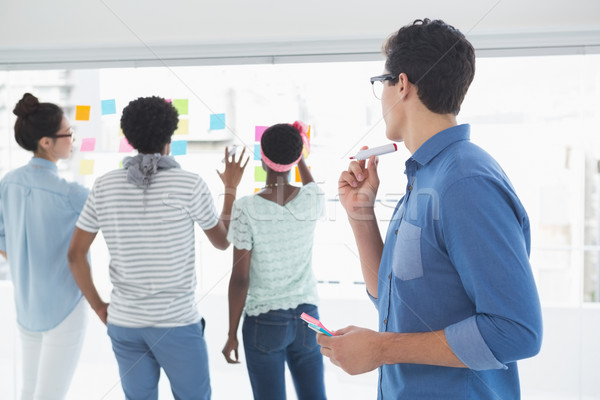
point(282, 143)
point(148, 123)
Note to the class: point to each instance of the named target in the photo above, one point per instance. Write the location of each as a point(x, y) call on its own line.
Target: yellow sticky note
point(86, 167)
point(82, 113)
point(183, 127)
point(256, 190)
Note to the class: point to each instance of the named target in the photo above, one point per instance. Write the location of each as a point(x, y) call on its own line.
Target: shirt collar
point(38, 162)
point(438, 142)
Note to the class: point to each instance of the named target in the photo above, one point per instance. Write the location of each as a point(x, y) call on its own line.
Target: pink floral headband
point(303, 128)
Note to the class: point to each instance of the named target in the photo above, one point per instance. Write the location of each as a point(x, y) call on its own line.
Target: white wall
point(116, 32)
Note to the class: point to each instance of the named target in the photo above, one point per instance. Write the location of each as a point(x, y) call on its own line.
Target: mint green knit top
point(281, 241)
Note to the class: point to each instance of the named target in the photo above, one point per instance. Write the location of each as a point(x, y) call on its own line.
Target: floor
point(96, 376)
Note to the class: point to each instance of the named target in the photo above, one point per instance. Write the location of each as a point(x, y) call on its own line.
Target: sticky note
point(256, 190)
point(258, 132)
point(108, 107)
point(124, 146)
point(298, 178)
point(257, 152)
point(179, 147)
point(305, 150)
point(181, 105)
point(183, 127)
point(82, 113)
point(86, 167)
point(217, 121)
point(259, 174)
point(88, 144)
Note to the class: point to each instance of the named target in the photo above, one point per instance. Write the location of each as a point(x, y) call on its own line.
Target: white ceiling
point(126, 32)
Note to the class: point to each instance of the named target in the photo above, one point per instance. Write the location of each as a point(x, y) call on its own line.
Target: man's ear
point(403, 86)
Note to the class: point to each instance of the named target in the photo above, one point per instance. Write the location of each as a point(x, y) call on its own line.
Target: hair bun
point(27, 105)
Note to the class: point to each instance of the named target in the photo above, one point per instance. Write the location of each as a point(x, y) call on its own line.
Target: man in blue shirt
point(452, 283)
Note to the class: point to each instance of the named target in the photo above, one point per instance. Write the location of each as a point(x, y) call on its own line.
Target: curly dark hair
point(35, 120)
point(437, 59)
point(148, 123)
point(282, 143)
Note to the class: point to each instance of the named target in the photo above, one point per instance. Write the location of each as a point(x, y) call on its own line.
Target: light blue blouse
point(281, 240)
point(38, 211)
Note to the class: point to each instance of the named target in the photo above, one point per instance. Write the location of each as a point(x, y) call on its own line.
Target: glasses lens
point(378, 89)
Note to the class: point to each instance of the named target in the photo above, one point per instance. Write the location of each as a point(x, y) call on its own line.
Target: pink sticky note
point(124, 146)
point(88, 144)
point(258, 132)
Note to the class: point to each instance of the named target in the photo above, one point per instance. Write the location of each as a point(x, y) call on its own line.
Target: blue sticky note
point(217, 121)
point(108, 107)
point(257, 151)
point(179, 147)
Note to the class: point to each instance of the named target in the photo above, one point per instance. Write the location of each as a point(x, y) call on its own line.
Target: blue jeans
point(274, 338)
point(180, 352)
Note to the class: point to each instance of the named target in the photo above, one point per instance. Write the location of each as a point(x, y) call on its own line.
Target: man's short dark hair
point(437, 58)
point(148, 123)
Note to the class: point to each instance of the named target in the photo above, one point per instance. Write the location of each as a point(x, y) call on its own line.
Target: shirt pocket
point(406, 262)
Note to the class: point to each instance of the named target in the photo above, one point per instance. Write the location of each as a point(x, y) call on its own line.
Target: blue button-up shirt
point(38, 211)
point(456, 258)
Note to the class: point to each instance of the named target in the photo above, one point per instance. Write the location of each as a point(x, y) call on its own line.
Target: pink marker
point(375, 151)
point(311, 320)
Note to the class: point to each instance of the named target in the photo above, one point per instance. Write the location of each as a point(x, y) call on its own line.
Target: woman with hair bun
point(38, 212)
point(272, 281)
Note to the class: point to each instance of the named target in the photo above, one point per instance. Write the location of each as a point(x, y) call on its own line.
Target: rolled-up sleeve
point(487, 239)
point(466, 342)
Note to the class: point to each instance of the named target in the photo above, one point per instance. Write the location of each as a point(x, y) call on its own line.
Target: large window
point(536, 115)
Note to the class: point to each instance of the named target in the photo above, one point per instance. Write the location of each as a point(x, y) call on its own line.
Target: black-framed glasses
point(377, 83)
point(71, 135)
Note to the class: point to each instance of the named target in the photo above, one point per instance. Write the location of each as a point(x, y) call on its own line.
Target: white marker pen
point(231, 152)
point(375, 151)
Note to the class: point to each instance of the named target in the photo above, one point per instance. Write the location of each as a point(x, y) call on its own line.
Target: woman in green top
point(272, 281)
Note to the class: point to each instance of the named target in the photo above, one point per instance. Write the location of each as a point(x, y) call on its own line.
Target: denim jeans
point(181, 352)
point(274, 338)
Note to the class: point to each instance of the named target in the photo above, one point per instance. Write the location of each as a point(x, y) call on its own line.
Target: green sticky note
point(260, 174)
point(181, 105)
